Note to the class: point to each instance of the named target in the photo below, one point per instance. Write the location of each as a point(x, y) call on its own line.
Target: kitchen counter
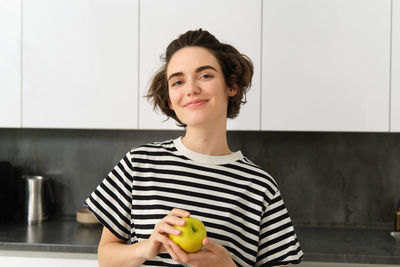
point(322, 244)
point(351, 245)
point(63, 235)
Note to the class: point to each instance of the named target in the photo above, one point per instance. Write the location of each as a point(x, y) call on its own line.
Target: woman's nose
point(192, 88)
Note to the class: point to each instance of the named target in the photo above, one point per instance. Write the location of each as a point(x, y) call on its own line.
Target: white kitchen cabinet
point(395, 86)
point(80, 64)
point(50, 259)
point(10, 63)
point(326, 65)
point(341, 264)
point(46, 259)
point(237, 22)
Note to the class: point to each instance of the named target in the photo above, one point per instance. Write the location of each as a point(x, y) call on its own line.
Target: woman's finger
point(171, 251)
point(173, 220)
point(167, 229)
point(180, 253)
point(179, 213)
point(212, 246)
point(159, 237)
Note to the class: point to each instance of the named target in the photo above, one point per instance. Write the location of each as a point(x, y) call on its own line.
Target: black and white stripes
point(239, 203)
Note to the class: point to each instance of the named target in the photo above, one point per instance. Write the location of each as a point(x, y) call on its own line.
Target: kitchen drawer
point(46, 259)
point(341, 264)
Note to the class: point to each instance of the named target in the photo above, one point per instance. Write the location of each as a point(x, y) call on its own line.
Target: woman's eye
point(206, 76)
point(176, 83)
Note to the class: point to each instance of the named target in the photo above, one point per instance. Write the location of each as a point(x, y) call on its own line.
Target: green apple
point(192, 235)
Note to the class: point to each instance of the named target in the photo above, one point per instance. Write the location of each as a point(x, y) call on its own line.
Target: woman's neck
point(206, 141)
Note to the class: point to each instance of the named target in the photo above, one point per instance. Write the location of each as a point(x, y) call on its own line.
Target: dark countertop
point(324, 244)
point(351, 245)
point(63, 235)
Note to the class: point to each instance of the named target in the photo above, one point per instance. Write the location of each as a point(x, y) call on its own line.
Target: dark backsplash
point(348, 179)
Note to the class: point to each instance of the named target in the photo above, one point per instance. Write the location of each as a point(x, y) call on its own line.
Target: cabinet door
point(326, 65)
point(339, 264)
point(46, 259)
point(395, 93)
point(80, 63)
point(10, 63)
point(237, 22)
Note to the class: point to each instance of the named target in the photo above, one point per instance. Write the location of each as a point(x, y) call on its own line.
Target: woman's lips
point(195, 103)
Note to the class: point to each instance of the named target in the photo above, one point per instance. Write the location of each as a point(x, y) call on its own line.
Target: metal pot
point(38, 198)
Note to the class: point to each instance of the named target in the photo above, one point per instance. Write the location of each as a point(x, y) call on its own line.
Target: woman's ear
point(233, 90)
point(234, 86)
point(170, 105)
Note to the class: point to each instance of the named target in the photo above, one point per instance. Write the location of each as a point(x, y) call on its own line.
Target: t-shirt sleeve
point(111, 202)
point(278, 243)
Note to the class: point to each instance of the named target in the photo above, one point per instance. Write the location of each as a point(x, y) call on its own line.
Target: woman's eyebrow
point(206, 67)
point(174, 75)
point(199, 69)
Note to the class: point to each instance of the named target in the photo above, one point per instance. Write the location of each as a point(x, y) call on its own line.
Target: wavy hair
point(237, 70)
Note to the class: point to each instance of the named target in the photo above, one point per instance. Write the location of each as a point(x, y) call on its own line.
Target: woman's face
point(197, 90)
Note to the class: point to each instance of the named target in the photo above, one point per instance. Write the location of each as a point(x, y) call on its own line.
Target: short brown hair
point(236, 67)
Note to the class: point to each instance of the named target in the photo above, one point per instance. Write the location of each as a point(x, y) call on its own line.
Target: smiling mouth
point(195, 103)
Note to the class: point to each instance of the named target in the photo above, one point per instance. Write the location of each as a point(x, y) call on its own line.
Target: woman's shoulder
point(257, 172)
point(166, 146)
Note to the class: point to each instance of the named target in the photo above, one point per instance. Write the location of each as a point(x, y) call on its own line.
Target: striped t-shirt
point(239, 203)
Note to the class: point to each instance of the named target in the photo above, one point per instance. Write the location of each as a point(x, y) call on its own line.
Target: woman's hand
point(159, 237)
point(212, 255)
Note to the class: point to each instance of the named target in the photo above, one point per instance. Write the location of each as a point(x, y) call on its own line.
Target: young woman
point(202, 83)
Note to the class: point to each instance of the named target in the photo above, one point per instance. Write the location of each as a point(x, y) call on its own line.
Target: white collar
point(207, 159)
